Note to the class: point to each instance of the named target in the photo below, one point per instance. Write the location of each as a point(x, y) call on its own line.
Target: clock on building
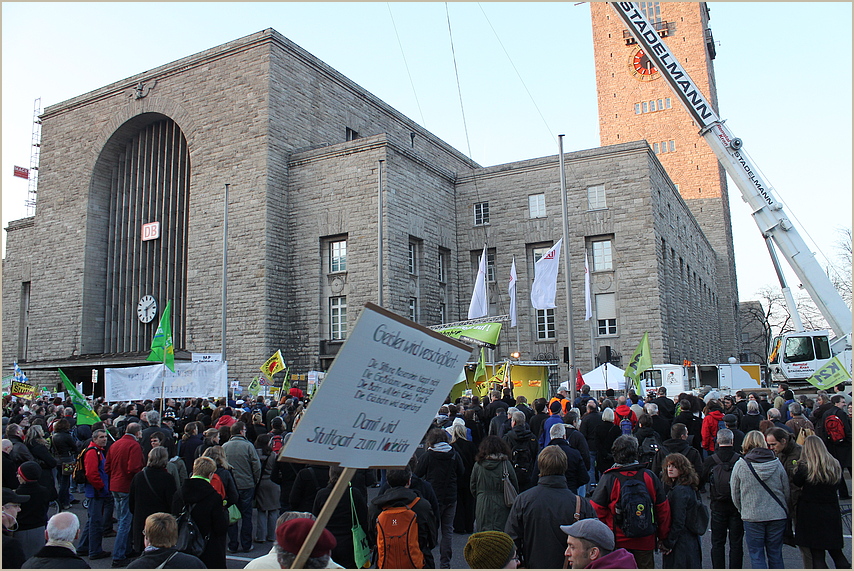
point(146, 309)
point(641, 66)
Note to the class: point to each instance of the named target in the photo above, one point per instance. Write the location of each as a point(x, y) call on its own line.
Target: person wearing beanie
point(33, 517)
point(590, 545)
point(289, 539)
point(491, 550)
point(554, 418)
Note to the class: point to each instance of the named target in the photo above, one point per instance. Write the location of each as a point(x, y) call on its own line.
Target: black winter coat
point(686, 549)
point(209, 514)
point(47, 462)
point(576, 474)
point(427, 525)
point(310, 480)
point(677, 445)
point(520, 436)
point(152, 559)
point(34, 511)
point(443, 469)
point(818, 521)
point(535, 519)
point(64, 446)
point(55, 557)
point(145, 499)
point(341, 522)
point(606, 433)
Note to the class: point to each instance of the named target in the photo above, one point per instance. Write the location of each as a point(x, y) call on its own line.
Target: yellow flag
point(273, 365)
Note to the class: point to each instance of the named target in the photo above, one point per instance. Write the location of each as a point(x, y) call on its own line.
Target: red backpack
point(397, 538)
point(276, 441)
point(834, 429)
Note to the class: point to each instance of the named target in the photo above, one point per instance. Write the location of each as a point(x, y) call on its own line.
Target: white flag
point(479, 306)
point(588, 303)
point(512, 290)
point(544, 289)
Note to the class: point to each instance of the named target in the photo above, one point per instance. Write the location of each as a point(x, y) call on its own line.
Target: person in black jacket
point(66, 451)
point(309, 481)
point(725, 520)
point(341, 522)
point(206, 509)
point(666, 406)
point(442, 467)
point(63, 529)
point(33, 517)
point(161, 535)
point(13, 554)
point(10, 471)
point(678, 443)
point(151, 491)
point(38, 446)
point(576, 474)
point(520, 438)
point(464, 518)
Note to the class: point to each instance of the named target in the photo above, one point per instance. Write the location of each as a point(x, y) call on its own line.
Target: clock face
point(146, 309)
point(642, 67)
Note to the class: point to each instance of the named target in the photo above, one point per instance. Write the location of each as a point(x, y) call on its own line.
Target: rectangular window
point(637, 109)
point(652, 106)
point(490, 267)
point(667, 103)
point(545, 324)
point(655, 148)
point(602, 259)
point(671, 145)
point(338, 256)
point(24, 324)
point(413, 258)
point(338, 318)
point(413, 309)
point(660, 104)
point(481, 213)
point(537, 205)
point(606, 313)
point(443, 313)
point(351, 135)
point(645, 107)
point(596, 197)
point(444, 256)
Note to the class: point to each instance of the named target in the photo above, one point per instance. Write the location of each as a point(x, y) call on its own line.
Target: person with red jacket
point(622, 411)
point(98, 493)
point(606, 500)
point(709, 430)
point(124, 460)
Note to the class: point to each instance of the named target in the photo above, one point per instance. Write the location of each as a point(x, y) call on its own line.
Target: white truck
point(800, 353)
point(726, 377)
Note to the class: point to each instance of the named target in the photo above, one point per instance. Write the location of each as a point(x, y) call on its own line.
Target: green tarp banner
point(831, 374)
point(480, 335)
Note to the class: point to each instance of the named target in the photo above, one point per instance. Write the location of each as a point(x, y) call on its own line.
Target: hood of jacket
point(395, 497)
point(520, 433)
point(675, 445)
point(624, 410)
point(492, 462)
point(225, 420)
point(618, 559)
point(195, 490)
point(764, 461)
point(716, 414)
point(441, 447)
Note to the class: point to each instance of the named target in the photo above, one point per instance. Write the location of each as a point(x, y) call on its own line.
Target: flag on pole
point(254, 387)
point(19, 374)
point(588, 301)
point(479, 305)
point(480, 371)
point(641, 361)
point(85, 414)
point(544, 288)
point(162, 349)
point(500, 375)
point(579, 380)
point(286, 382)
point(273, 365)
point(512, 291)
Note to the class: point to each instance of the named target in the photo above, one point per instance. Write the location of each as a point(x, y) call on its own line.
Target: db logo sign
point(150, 231)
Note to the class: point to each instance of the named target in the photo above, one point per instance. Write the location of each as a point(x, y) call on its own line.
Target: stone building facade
point(301, 147)
point(637, 103)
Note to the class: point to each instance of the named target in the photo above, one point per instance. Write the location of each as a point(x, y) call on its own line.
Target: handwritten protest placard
point(380, 394)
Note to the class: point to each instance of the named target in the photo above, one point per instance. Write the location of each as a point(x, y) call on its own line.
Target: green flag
point(480, 371)
point(831, 374)
point(286, 382)
point(162, 349)
point(85, 414)
point(641, 361)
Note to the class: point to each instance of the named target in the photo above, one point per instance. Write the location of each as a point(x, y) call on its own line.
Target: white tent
point(604, 377)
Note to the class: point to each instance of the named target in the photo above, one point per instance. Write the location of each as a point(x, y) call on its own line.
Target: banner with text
point(480, 335)
point(380, 394)
point(189, 380)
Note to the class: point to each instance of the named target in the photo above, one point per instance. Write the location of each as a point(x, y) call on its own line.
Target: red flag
point(579, 382)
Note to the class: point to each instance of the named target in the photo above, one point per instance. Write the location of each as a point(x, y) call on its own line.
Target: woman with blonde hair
point(760, 492)
point(40, 449)
point(151, 491)
point(222, 479)
point(682, 548)
point(818, 525)
point(208, 511)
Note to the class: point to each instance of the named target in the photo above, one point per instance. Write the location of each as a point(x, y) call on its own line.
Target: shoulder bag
point(510, 492)
point(788, 535)
point(361, 548)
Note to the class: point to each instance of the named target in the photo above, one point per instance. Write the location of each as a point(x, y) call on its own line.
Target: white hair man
point(63, 529)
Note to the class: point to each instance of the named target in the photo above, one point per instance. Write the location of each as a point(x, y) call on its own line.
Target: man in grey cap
point(590, 545)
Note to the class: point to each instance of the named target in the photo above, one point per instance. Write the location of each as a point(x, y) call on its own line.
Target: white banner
point(544, 288)
point(206, 357)
point(380, 394)
point(190, 380)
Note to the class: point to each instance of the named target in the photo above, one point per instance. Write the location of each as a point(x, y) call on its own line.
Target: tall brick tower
point(635, 102)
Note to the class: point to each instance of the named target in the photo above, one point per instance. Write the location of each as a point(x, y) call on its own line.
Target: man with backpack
point(678, 442)
point(726, 519)
point(630, 499)
point(523, 449)
point(403, 525)
point(625, 417)
point(836, 425)
point(98, 492)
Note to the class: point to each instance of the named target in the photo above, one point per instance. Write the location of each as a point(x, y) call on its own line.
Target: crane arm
point(767, 210)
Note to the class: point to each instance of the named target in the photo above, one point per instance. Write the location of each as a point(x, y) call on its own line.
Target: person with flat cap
point(13, 553)
point(491, 550)
point(590, 545)
point(291, 535)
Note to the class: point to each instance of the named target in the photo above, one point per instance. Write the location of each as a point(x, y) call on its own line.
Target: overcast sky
point(783, 73)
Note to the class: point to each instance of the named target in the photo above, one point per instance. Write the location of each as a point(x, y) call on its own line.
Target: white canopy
point(596, 379)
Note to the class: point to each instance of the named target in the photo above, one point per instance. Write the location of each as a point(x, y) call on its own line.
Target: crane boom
point(767, 210)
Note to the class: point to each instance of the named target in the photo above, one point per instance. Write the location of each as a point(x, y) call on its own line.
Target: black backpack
point(719, 488)
point(190, 538)
point(523, 462)
point(635, 511)
point(649, 448)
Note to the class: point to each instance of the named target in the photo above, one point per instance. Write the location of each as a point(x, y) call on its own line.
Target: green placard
point(480, 335)
point(830, 375)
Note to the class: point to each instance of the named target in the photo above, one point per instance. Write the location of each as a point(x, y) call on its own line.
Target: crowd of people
point(592, 483)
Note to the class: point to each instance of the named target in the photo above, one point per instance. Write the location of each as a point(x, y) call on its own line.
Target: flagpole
point(570, 339)
point(224, 269)
point(380, 233)
point(518, 344)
